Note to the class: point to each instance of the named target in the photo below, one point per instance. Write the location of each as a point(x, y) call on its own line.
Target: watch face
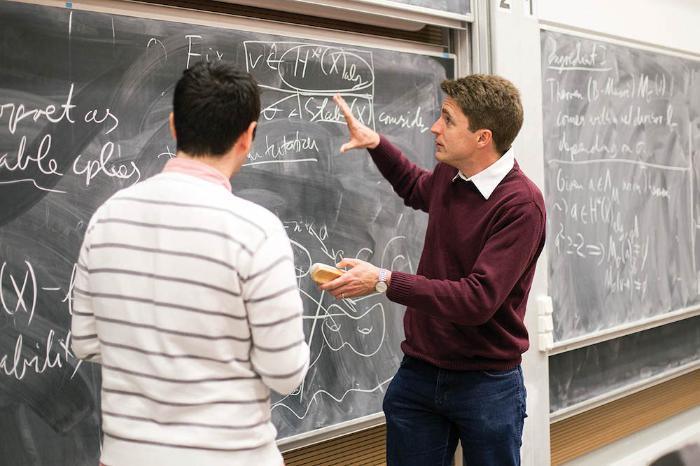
point(380, 287)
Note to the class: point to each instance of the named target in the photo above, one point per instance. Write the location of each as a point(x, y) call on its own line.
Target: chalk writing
point(35, 168)
point(17, 112)
point(619, 176)
point(409, 119)
point(79, 124)
point(104, 166)
point(283, 69)
point(20, 292)
point(22, 296)
point(354, 326)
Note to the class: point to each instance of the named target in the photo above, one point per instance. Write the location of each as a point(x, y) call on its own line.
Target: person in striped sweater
point(187, 297)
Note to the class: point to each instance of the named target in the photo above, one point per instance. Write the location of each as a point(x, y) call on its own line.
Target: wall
point(672, 23)
point(515, 46)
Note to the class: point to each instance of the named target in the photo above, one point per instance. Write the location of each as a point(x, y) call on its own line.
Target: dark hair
point(214, 103)
point(489, 102)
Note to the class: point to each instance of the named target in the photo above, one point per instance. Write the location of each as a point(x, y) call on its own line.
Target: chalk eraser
point(322, 273)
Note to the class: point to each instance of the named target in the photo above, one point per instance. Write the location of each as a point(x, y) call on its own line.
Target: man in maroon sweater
point(460, 378)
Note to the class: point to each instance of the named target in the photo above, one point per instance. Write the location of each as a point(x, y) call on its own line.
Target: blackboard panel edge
point(391, 13)
point(623, 392)
point(622, 330)
point(331, 432)
point(203, 17)
point(550, 26)
point(467, 16)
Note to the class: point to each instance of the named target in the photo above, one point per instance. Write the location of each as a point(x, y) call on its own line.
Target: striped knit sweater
point(187, 296)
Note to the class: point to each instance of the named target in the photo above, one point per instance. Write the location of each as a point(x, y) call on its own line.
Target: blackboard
point(84, 99)
point(621, 139)
point(579, 375)
point(461, 7)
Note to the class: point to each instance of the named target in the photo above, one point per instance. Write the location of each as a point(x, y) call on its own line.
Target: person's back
point(187, 296)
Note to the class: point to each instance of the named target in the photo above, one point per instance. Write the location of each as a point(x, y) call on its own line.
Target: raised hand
point(361, 137)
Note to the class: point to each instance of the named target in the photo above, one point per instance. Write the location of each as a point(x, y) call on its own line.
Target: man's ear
point(171, 121)
point(485, 138)
point(245, 140)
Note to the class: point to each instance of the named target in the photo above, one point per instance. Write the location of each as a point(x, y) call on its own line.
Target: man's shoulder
point(443, 173)
point(517, 191)
point(162, 191)
point(120, 195)
point(263, 217)
point(519, 187)
point(144, 186)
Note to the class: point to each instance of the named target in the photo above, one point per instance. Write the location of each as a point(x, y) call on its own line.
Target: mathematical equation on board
point(19, 293)
point(285, 71)
point(609, 180)
point(298, 81)
point(591, 94)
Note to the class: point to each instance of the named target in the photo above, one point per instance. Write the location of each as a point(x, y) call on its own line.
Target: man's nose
point(436, 128)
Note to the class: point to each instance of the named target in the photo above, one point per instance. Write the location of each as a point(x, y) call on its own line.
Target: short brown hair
point(490, 102)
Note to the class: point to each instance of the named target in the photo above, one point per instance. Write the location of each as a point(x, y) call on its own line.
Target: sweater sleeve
point(411, 182)
point(84, 341)
point(279, 353)
point(474, 299)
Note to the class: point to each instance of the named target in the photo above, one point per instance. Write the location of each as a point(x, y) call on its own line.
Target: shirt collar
point(488, 179)
point(197, 169)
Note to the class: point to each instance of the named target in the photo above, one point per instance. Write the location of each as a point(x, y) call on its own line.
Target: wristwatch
point(381, 286)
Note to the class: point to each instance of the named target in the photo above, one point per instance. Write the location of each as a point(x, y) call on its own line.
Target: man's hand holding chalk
point(360, 280)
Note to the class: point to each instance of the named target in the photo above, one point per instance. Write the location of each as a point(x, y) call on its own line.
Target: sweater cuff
point(401, 287)
point(385, 156)
point(381, 147)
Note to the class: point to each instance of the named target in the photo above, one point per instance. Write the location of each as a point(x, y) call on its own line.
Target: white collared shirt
point(487, 180)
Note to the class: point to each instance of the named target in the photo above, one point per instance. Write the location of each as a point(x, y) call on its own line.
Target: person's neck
point(225, 164)
point(478, 163)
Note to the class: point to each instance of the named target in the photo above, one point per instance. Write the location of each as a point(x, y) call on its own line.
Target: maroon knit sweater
point(466, 304)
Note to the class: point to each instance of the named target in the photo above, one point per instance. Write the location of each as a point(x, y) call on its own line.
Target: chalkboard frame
point(677, 315)
point(565, 345)
point(162, 12)
point(396, 13)
point(206, 18)
point(468, 15)
point(341, 429)
point(622, 392)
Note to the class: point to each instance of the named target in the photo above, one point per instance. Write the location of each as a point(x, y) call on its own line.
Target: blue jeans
point(429, 409)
